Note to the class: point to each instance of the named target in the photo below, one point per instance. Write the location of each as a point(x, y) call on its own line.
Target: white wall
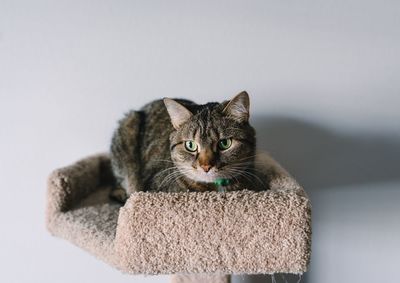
point(324, 84)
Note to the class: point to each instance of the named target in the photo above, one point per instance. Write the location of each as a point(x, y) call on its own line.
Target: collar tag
point(221, 183)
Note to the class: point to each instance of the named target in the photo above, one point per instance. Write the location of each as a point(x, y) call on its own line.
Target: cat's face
point(213, 143)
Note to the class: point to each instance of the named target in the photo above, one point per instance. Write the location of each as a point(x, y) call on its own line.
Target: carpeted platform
point(241, 232)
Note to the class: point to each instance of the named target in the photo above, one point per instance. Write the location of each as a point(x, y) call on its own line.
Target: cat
point(175, 145)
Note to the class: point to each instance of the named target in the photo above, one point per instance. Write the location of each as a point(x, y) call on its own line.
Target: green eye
point(190, 146)
point(224, 144)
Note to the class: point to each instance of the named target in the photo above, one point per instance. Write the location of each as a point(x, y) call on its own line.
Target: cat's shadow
point(321, 158)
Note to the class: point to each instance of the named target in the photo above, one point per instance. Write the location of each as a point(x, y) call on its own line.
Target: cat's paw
point(119, 194)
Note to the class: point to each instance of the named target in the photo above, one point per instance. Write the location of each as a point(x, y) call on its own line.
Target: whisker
point(247, 169)
point(248, 175)
point(165, 170)
point(163, 160)
point(172, 177)
point(169, 176)
point(240, 174)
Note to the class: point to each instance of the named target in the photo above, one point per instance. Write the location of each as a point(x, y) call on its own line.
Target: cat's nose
point(206, 167)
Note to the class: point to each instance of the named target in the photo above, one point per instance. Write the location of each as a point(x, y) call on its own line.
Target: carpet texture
point(241, 232)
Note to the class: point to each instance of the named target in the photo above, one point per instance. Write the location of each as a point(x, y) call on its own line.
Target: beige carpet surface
point(241, 232)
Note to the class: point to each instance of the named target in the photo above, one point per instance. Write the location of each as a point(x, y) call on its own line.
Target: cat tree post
point(189, 234)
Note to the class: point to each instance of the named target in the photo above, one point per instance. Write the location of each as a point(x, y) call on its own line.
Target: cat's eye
point(224, 144)
point(190, 146)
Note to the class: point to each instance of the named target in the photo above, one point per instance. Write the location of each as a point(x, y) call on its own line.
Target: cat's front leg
point(119, 194)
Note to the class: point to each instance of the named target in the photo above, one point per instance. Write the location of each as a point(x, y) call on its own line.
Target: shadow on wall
point(321, 158)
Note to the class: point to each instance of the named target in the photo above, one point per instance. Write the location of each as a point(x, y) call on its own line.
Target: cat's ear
point(178, 113)
point(238, 107)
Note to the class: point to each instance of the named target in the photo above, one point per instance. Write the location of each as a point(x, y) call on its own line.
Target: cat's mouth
point(207, 177)
point(200, 175)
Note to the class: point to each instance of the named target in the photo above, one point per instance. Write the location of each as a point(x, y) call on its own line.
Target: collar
point(221, 183)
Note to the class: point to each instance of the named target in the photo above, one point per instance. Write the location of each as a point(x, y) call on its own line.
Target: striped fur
point(148, 152)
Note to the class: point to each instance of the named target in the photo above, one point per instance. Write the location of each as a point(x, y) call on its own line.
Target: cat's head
point(212, 141)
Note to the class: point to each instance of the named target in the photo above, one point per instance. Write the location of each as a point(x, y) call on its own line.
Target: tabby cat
point(175, 145)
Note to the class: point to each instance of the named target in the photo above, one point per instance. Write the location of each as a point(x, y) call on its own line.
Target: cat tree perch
point(205, 234)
